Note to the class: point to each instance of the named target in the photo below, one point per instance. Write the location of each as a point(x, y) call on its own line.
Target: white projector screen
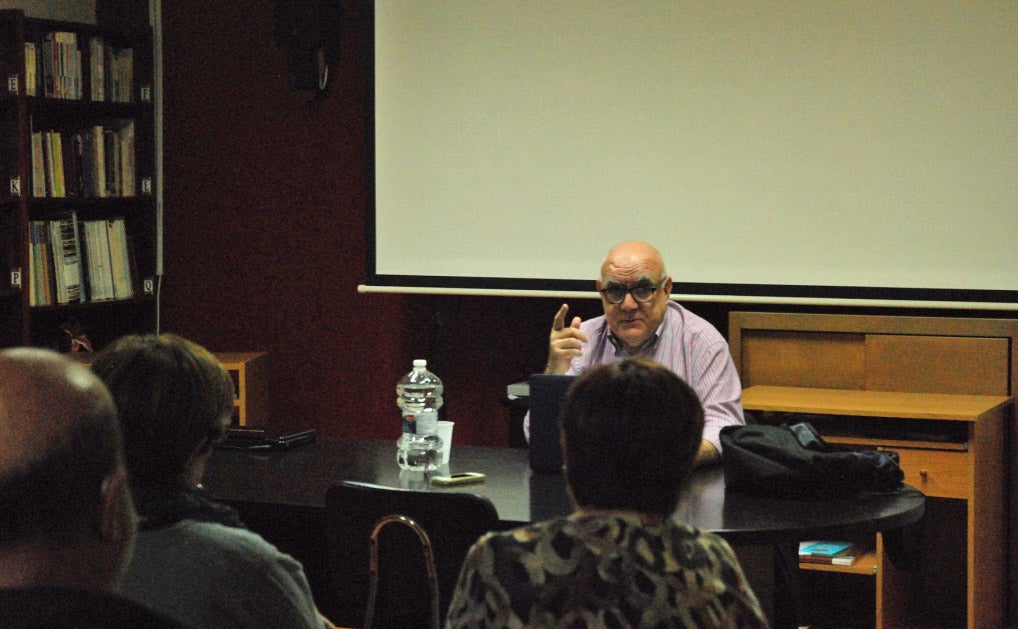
point(808, 149)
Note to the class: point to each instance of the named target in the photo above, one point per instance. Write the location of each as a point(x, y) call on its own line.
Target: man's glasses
point(642, 293)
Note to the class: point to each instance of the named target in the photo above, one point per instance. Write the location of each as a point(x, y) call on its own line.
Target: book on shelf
point(38, 166)
point(40, 265)
point(838, 553)
point(73, 158)
point(100, 267)
point(120, 258)
point(95, 162)
point(67, 263)
point(31, 69)
point(46, 66)
point(111, 144)
point(125, 136)
point(121, 74)
point(54, 163)
point(97, 68)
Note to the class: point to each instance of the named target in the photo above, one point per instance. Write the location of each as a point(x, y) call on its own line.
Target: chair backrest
point(453, 522)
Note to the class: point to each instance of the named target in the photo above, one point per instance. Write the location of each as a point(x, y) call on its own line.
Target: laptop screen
point(546, 394)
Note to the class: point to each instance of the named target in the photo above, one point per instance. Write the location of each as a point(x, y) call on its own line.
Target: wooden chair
point(356, 511)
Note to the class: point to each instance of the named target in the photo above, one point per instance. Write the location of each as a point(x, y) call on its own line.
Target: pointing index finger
point(560, 318)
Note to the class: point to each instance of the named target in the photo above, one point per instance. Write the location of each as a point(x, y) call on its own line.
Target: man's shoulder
point(692, 323)
point(231, 545)
point(192, 558)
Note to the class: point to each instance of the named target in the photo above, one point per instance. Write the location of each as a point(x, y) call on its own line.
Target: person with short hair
point(641, 320)
point(630, 434)
point(194, 559)
point(67, 521)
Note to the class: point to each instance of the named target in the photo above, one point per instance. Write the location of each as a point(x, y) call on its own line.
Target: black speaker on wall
point(307, 31)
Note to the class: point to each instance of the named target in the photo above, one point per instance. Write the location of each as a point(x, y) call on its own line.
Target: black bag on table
point(795, 462)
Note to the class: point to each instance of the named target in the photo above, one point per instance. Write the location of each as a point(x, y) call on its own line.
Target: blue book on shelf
point(823, 549)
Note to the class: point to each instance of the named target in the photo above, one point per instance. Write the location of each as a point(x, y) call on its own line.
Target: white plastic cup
point(445, 434)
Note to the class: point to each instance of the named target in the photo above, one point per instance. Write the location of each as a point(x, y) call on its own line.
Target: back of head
point(61, 441)
point(630, 433)
point(173, 397)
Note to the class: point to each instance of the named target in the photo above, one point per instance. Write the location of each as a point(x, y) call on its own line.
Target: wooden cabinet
point(250, 374)
point(77, 146)
point(937, 392)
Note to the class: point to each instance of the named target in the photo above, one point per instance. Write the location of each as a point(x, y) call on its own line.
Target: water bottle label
point(419, 396)
point(409, 424)
point(427, 422)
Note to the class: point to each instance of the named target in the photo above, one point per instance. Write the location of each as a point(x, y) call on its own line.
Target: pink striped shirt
point(688, 345)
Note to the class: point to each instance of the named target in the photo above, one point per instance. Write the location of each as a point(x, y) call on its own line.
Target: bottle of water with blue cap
point(419, 396)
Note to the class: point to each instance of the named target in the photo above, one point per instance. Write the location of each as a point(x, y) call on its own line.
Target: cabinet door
point(937, 364)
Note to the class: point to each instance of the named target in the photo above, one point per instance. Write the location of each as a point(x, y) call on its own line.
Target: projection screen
point(770, 150)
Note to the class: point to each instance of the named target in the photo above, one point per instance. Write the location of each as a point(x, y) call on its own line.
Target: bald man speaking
point(640, 320)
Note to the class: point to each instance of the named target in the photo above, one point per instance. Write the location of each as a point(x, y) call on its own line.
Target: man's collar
point(648, 345)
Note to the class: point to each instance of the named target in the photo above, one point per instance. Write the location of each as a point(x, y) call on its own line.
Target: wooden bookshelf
point(937, 392)
point(82, 146)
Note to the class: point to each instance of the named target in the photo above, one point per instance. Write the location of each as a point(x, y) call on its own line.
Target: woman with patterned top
point(630, 432)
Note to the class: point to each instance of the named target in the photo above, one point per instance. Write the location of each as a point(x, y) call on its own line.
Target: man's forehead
point(630, 264)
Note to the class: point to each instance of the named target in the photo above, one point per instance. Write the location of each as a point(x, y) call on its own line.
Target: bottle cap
point(420, 363)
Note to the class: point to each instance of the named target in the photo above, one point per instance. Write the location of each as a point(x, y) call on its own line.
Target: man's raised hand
point(564, 342)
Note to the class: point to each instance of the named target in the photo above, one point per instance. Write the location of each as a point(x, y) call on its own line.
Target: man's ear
point(668, 285)
point(117, 519)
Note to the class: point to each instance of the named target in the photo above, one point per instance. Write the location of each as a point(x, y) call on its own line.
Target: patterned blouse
point(603, 570)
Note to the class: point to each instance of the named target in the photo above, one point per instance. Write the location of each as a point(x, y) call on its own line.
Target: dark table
point(299, 478)
point(282, 496)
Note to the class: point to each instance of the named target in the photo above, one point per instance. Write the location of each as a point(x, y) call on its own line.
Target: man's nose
point(629, 302)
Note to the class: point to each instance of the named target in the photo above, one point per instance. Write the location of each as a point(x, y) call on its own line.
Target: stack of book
point(53, 68)
point(96, 162)
point(836, 553)
point(111, 70)
point(61, 65)
point(73, 261)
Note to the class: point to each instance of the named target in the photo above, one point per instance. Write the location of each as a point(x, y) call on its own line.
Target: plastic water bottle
point(419, 396)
